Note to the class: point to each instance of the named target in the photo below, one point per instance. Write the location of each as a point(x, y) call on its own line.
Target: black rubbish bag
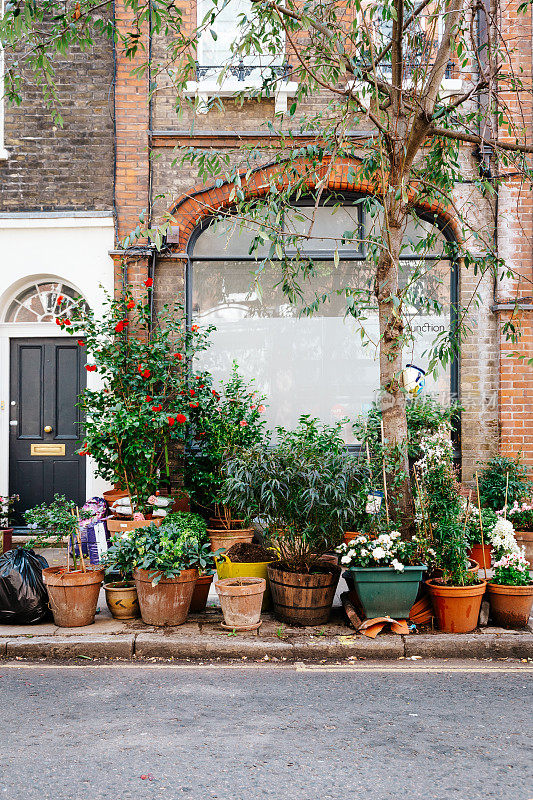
point(23, 595)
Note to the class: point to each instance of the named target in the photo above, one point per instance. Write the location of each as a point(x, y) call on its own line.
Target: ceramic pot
point(200, 594)
point(241, 600)
point(482, 554)
point(510, 606)
point(73, 595)
point(456, 607)
point(384, 592)
point(303, 599)
point(524, 539)
point(168, 602)
point(121, 599)
point(222, 538)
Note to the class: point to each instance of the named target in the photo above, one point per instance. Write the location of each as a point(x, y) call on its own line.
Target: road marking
point(300, 668)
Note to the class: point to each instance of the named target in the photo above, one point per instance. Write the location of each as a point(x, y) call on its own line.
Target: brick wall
point(52, 168)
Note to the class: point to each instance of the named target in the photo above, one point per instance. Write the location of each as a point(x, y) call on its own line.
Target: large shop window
point(315, 365)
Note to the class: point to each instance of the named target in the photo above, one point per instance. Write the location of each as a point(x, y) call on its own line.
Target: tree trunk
point(391, 331)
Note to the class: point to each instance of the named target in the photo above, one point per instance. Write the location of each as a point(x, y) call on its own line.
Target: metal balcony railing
point(241, 71)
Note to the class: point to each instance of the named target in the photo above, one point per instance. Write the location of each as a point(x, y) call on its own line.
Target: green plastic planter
point(383, 592)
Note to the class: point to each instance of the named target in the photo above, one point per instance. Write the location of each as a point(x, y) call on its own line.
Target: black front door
point(47, 376)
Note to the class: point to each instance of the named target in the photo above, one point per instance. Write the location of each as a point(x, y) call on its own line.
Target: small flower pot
point(303, 598)
point(510, 606)
point(482, 554)
point(168, 602)
point(200, 594)
point(255, 569)
point(384, 592)
point(121, 599)
point(456, 607)
point(241, 600)
point(73, 595)
point(6, 539)
point(222, 538)
point(524, 540)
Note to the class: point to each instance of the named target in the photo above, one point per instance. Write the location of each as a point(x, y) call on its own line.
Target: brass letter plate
point(47, 449)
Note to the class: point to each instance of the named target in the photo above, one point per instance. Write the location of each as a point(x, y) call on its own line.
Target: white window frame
point(208, 87)
point(4, 154)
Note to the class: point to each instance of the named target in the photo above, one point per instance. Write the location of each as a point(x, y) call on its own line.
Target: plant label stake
point(385, 475)
point(506, 494)
point(481, 528)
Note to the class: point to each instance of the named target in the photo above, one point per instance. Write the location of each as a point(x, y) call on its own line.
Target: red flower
point(131, 305)
point(201, 433)
point(81, 343)
point(90, 367)
point(157, 408)
point(66, 321)
point(261, 409)
point(148, 398)
point(192, 392)
point(171, 420)
point(148, 283)
point(181, 418)
point(194, 328)
point(201, 385)
point(243, 423)
point(60, 298)
point(179, 356)
point(125, 322)
point(58, 321)
point(197, 377)
point(146, 373)
point(119, 327)
point(215, 394)
point(194, 405)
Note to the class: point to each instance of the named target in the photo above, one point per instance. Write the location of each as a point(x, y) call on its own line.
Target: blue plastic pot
point(383, 592)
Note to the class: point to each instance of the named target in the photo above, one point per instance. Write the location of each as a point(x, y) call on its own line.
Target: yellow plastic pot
point(258, 569)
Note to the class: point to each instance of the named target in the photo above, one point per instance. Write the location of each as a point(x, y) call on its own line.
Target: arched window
point(40, 302)
point(318, 364)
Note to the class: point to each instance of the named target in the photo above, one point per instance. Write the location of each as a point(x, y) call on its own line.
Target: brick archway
point(191, 209)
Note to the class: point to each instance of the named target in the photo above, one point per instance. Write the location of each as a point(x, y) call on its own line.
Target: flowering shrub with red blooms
point(226, 422)
point(142, 404)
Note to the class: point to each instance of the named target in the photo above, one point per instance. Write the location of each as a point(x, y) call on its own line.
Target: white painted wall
point(73, 249)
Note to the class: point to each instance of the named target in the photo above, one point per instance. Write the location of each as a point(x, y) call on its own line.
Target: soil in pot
point(121, 599)
point(510, 606)
point(303, 598)
point(241, 600)
point(200, 594)
point(222, 538)
point(73, 595)
point(456, 607)
point(168, 602)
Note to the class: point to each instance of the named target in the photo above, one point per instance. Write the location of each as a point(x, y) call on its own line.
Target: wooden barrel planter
point(303, 599)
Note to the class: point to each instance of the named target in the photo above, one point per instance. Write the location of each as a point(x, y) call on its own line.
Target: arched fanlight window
point(43, 302)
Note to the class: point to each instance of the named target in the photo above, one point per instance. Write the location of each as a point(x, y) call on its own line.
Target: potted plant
point(479, 536)
point(7, 503)
point(163, 562)
point(387, 572)
point(73, 592)
point(303, 488)
point(140, 414)
point(510, 591)
point(503, 481)
point(241, 600)
point(457, 596)
point(521, 515)
point(229, 421)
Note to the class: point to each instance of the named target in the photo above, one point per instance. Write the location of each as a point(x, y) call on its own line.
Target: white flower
point(397, 565)
point(364, 552)
point(395, 534)
point(502, 537)
point(379, 553)
point(125, 535)
point(345, 560)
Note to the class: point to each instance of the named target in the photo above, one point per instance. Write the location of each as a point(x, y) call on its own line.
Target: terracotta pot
point(223, 538)
point(121, 599)
point(116, 525)
point(169, 601)
point(473, 569)
point(73, 595)
point(254, 569)
point(482, 554)
point(524, 540)
point(303, 599)
point(510, 605)
point(456, 607)
point(241, 600)
point(114, 494)
point(220, 522)
point(6, 539)
point(349, 535)
point(200, 594)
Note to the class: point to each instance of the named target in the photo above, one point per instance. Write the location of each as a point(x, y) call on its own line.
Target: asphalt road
point(93, 732)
